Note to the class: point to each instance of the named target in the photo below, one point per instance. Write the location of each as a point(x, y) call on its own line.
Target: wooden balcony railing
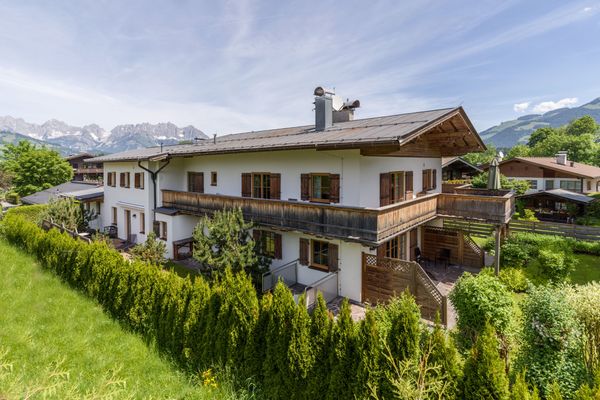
point(367, 225)
point(492, 206)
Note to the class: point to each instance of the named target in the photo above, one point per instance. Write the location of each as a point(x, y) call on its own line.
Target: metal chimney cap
point(321, 91)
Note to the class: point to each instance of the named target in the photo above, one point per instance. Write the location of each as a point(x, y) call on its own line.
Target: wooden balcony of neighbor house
point(492, 206)
point(88, 170)
point(371, 226)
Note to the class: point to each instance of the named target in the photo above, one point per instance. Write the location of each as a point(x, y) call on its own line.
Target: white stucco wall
point(541, 183)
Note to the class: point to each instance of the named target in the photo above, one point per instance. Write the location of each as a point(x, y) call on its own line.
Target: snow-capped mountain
point(93, 138)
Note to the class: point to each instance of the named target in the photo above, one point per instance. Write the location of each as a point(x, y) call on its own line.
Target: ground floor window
point(549, 184)
point(574, 186)
point(396, 248)
point(319, 254)
point(163, 230)
point(268, 243)
point(114, 215)
point(142, 223)
point(532, 183)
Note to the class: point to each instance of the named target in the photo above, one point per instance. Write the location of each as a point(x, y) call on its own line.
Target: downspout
point(153, 175)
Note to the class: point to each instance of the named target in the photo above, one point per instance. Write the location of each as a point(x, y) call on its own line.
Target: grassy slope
point(586, 270)
point(56, 343)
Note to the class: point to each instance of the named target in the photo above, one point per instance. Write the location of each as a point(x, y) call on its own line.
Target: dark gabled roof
point(451, 160)
point(576, 169)
point(564, 195)
point(393, 129)
point(79, 155)
point(78, 190)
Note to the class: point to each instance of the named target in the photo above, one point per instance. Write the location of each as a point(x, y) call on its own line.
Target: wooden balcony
point(370, 226)
point(492, 206)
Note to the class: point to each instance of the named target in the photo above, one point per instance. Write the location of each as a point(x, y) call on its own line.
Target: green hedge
point(30, 213)
point(272, 341)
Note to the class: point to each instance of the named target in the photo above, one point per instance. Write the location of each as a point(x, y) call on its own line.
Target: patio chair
point(110, 231)
point(444, 257)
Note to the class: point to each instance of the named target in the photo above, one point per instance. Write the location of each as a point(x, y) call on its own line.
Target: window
point(429, 179)
point(589, 185)
point(124, 179)
point(320, 187)
point(532, 183)
point(139, 180)
point(163, 230)
point(213, 178)
point(196, 182)
point(574, 186)
point(549, 184)
point(261, 186)
point(111, 179)
point(114, 215)
point(98, 208)
point(396, 248)
point(268, 243)
point(395, 187)
point(142, 222)
point(320, 254)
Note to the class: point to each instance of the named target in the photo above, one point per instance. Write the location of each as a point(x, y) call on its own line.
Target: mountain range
point(92, 138)
point(510, 133)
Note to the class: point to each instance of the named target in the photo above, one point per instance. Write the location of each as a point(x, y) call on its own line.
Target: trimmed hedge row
point(272, 340)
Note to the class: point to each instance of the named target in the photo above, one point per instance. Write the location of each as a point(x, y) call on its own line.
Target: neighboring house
point(90, 195)
point(85, 171)
point(456, 168)
point(329, 199)
point(547, 173)
point(556, 204)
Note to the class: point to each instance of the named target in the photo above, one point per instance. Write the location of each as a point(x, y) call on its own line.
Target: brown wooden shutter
point(409, 182)
point(276, 186)
point(381, 250)
point(109, 179)
point(304, 250)
point(384, 189)
point(434, 178)
point(305, 187)
point(246, 184)
point(141, 180)
point(333, 261)
point(425, 179)
point(278, 249)
point(136, 180)
point(122, 179)
point(334, 188)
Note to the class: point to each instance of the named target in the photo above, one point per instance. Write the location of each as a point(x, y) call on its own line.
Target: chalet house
point(83, 170)
point(456, 168)
point(332, 201)
point(547, 173)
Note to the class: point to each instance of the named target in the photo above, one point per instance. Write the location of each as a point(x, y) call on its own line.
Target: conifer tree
point(320, 332)
point(405, 327)
point(585, 393)
point(445, 354)
point(301, 357)
point(520, 390)
point(484, 374)
point(255, 352)
point(342, 355)
point(553, 392)
point(369, 347)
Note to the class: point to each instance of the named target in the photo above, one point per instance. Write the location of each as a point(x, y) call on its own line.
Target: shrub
point(555, 265)
point(151, 251)
point(585, 300)
point(551, 341)
point(528, 215)
point(580, 246)
point(520, 389)
point(514, 255)
point(484, 374)
point(513, 278)
point(444, 355)
point(479, 299)
point(29, 213)
point(12, 197)
point(69, 213)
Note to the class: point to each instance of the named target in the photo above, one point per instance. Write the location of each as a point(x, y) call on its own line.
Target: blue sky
point(228, 66)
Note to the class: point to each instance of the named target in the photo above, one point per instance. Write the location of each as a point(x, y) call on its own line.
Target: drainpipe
point(153, 175)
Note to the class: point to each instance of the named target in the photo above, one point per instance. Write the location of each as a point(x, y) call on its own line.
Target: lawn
point(56, 343)
point(586, 270)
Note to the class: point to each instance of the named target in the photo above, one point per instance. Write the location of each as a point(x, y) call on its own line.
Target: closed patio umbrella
point(494, 175)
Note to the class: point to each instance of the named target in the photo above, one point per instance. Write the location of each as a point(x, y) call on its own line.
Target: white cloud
point(521, 107)
point(587, 9)
point(546, 106)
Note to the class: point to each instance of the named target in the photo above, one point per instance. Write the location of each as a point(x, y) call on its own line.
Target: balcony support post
point(497, 256)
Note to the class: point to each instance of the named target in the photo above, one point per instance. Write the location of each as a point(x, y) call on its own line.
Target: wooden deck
point(371, 226)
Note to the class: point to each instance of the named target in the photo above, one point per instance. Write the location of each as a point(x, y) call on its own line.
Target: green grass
point(586, 270)
point(180, 269)
point(56, 343)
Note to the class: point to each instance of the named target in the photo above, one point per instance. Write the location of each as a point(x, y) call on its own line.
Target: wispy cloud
point(546, 106)
point(521, 107)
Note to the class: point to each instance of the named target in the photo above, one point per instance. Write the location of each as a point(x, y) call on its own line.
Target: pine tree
point(320, 332)
point(520, 390)
point(405, 327)
point(553, 392)
point(445, 355)
point(369, 347)
point(301, 358)
point(484, 374)
point(342, 358)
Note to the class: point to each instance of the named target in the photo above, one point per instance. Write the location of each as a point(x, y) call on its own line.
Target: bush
point(585, 300)
point(555, 265)
point(478, 300)
point(551, 341)
point(513, 278)
point(30, 213)
point(12, 197)
point(580, 246)
point(151, 251)
point(515, 255)
point(528, 215)
point(484, 374)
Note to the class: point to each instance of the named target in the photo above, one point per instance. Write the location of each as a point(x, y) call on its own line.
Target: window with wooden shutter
point(396, 247)
point(275, 186)
point(305, 186)
point(409, 184)
point(196, 182)
point(261, 185)
point(304, 251)
point(213, 178)
point(334, 181)
point(246, 185)
point(122, 179)
point(434, 178)
point(384, 189)
point(429, 179)
point(138, 180)
point(320, 188)
point(319, 255)
point(109, 180)
point(267, 243)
